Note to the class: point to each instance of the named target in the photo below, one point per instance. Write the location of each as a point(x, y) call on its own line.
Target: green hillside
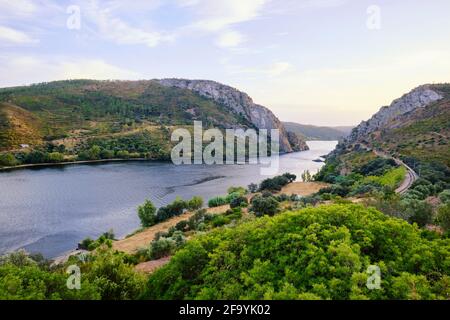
point(69, 118)
point(310, 132)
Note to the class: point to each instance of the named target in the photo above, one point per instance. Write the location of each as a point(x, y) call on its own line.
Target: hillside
point(131, 117)
point(416, 125)
point(310, 132)
point(399, 158)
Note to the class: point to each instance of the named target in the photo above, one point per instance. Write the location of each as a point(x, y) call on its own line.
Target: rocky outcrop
point(387, 117)
point(241, 104)
point(296, 141)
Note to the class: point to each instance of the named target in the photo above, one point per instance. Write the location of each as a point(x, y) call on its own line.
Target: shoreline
point(67, 163)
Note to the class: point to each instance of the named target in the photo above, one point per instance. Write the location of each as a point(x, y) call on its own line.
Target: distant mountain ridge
point(311, 132)
point(240, 103)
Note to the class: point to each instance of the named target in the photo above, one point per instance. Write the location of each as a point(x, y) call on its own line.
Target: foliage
point(105, 275)
point(443, 216)
point(217, 202)
point(253, 187)
point(276, 183)
point(146, 213)
point(261, 205)
point(239, 201)
point(320, 253)
point(8, 160)
point(306, 176)
point(195, 203)
point(104, 239)
point(239, 190)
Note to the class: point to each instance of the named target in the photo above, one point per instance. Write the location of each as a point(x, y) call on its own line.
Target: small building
point(24, 146)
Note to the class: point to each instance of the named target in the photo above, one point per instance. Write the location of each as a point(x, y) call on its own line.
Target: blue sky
point(325, 62)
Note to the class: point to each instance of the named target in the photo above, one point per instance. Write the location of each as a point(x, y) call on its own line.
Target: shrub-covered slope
point(315, 253)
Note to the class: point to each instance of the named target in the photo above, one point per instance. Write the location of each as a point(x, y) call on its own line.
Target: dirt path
point(150, 266)
point(143, 238)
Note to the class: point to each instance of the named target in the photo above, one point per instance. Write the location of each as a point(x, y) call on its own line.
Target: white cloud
point(11, 36)
point(230, 39)
point(278, 68)
point(109, 25)
point(220, 16)
point(41, 69)
point(275, 69)
point(16, 8)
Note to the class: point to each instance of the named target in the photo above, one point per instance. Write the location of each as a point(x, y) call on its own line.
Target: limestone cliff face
point(240, 103)
point(387, 118)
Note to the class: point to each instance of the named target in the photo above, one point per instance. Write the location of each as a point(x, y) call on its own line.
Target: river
point(49, 210)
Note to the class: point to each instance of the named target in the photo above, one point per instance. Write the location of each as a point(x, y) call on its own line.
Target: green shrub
point(195, 203)
point(443, 216)
point(320, 253)
point(444, 196)
point(146, 213)
point(239, 201)
point(8, 160)
point(217, 202)
point(162, 248)
point(419, 212)
point(261, 206)
point(239, 190)
point(253, 187)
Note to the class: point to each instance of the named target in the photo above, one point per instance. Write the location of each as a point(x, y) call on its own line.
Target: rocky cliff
point(388, 116)
point(239, 103)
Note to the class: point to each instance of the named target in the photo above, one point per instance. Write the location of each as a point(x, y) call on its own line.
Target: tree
point(8, 160)
point(443, 216)
point(264, 205)
point(315, 253)
point(55, 157)
point(146, 213)
point(253, 187)
point(237, 202)
point(306, 176)
point(195, 203)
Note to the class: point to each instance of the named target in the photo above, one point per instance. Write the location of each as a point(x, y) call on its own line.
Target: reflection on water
point(49, 210)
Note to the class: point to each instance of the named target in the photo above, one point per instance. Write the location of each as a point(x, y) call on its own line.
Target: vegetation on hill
point(310, 132)
point(315, 253)
point(119, 119)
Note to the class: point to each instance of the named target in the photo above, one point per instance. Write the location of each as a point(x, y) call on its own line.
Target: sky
point(322, 62)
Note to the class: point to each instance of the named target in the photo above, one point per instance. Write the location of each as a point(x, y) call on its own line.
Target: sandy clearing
point(303, 188)
point(143, 239)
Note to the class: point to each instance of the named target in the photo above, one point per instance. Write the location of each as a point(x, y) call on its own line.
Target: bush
point(173, 209)
point(443, 217)
point(146, 213)
point(217, 202)
point(261, 206)
point(162, 248)
point(239, 201)
point(253, 187)
point(319, 252)
point(8, 160)
point(195, 203)
point(239, 190)
point(419, 212)
point(273, 184)
point(444, 196)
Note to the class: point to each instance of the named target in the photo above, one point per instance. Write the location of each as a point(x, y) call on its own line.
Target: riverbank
point(60, 164)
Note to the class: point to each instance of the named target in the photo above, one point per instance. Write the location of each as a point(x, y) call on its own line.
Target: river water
point(49, 210)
